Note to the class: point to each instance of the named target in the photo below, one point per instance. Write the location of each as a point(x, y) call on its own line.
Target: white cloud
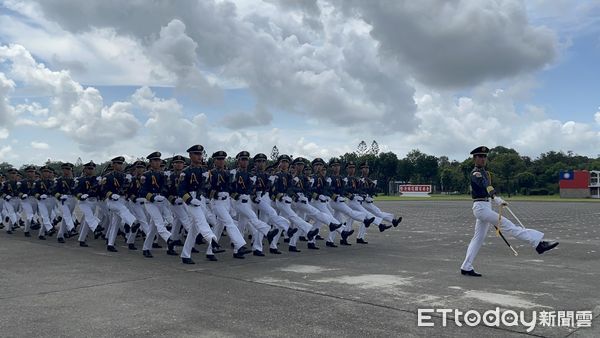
point(76, 110)
point(597, 116)
point(39, 145)
point(7, 112)
point(5, 152)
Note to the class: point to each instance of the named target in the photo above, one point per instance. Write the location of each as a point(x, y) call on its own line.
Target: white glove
point(7, 197)
point(178, 201)
point(328, 180)
point(115, 197)
point(296, 179)
point(142, 179)
point(84, 197)
point(322, 197)
point(195, 202)
point(253, 179)
point(287, 199)
point(140, 200)
point(168, 173)
point(272, 178)
point(18, 184)
point(99, 179)
point(206, 174)
point(369, 199)
point(43, 196)
point(345, 180)
point(341, 199)
point(128, 177)
point(24, 196)
point(500, 201)
point(359, 198)
point(311, 181)
point(375, 182)
point(159, 198)
point(233, 172)
point(63, 197)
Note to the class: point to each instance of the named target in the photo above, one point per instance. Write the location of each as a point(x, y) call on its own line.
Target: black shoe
point(6, 219)
point(172, 252)
point(147, 254)
point(249, 237)
point(211, 258)
point(9, 232)
point(243, 250)
point(368, 221)
point(187, 261)
point(312, 246)
point(127, 228)
point(156, 246)
point(35, 226)
point(469, 273)
point(293, 249)
point(238, 255)
point(43, 238)
point(135, 227)
point(545, 246)
point(346, 234)
point(51, 232)
point(271, 234)
point(286, 240)
point(56, 220)
point(311, 234)
point(361, 241)
point(199, 239)
point(170, 245)
point(169, 227)
point(334, 226)
point(258, 253)
point(384, 227)
point(319, 238)
point(302, 239)
point(396, 221)
point(131, 246)
point(73, 233)
point(60, 240)
point(83, 244)
point(274, 251)
point(111, 248)
point(291, 232)
point(218, 250)
point(194, 250)
point(27, 234)
point(344, 242)
point(331, 244)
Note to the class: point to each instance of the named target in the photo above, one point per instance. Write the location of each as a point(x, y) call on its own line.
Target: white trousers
point(120, 215)
point(362, 230)
point(66, 208)
point(372, 208)
point(268, 213)
point(221, 209)
point(486, 218)
point(89, 221)
point(198, 225)
point(157, 224)
point(10, 211)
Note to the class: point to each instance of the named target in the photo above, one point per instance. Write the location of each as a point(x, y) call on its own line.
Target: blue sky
point(314, 77)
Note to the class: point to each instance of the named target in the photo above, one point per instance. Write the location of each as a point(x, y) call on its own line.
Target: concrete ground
point(52, 289)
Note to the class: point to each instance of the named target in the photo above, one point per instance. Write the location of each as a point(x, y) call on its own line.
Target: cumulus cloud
point(6, 110)
point(40, 145)
point(76, 110)
point(597, 116)
point(5, 151)
point(260, 117)
point(459, 43)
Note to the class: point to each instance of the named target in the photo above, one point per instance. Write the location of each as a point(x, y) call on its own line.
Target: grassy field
point(551, 198)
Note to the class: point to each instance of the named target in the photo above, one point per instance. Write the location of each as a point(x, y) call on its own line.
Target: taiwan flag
point(567, 175)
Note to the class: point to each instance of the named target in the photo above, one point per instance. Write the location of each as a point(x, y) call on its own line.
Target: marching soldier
point(219, 194)
point(191, 190)
point(114, 188)
point(28, 202)
point(181, 218)
point(302, 192)
point(242, 189)
point(64, 192)
point(136, 203)
point(153, 190)
point(369, 189)
point(483, 193)
point(43, 191)
point(88, 191)
point(261, 198)
point(282, 190)
point(10, 191)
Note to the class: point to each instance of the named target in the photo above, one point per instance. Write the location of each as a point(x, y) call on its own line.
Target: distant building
point(579, 184)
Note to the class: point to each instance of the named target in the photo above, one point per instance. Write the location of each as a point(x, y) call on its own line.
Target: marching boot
point(60, 240)
point(27, 234)
point(470, 273)
point(334, 226)
point(361, 241)
point(311, 234)
point(187, 261)
point(258, 253)
point(111, 248)
point(312, 246)
point(147, 254)
point(291, 232)
point(293, 249)
point(368, 221)
point(330, 244)
point(271, 234)
point(545, 246)
point(171, 248)
point(384, 227)
point(194, 250)
point(211, 258)
point(344, 242)
point(83, 244)
point(396, 221)
point(346, 234)
point(274, 251)
point(131, 246)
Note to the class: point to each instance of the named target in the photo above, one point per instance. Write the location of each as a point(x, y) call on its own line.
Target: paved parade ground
point(52, 289)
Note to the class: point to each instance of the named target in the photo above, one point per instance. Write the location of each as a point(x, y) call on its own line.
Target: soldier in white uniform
point(483, 194)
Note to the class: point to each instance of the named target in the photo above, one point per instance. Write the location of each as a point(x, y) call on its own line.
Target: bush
point(539, 192)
